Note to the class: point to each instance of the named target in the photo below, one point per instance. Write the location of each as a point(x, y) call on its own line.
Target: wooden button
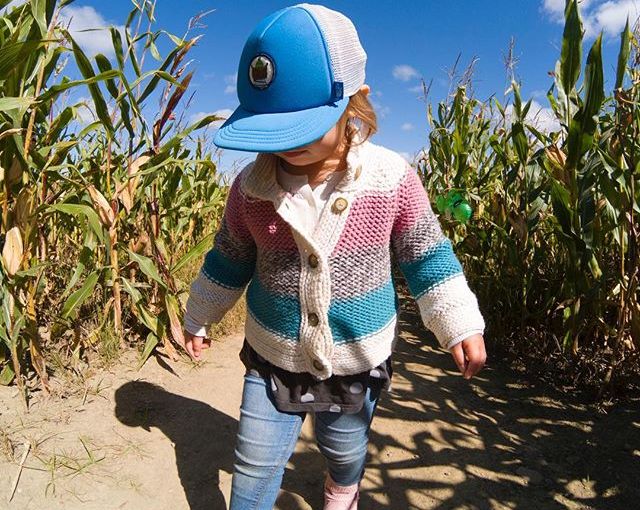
point(317, 364)
point(339, 205)
point(358, 172)
point(313, 319)
point(313, 260)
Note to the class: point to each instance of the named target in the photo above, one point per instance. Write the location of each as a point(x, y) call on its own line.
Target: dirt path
point(162, 438)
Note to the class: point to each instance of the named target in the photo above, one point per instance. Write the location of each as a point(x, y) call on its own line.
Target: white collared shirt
point(306, 202)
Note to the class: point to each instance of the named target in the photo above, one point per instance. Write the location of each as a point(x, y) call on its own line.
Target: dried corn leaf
point(102, 206)
point(13, 251)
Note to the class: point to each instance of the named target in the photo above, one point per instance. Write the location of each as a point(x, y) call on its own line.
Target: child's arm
point(435, 277)
point(226, 271)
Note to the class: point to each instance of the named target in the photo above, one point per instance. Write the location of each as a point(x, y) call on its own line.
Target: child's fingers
point(193, 345)
point(197, 347)
point(476, 355)
point(458, 356)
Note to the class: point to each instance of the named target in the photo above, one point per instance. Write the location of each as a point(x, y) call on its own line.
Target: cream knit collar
point(259, 179)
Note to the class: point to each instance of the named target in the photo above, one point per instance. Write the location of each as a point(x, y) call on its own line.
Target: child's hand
point(470, 355)
point(194, 345)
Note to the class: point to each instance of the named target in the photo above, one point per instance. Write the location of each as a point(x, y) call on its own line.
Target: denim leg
point(266, 439)
point(343, 440)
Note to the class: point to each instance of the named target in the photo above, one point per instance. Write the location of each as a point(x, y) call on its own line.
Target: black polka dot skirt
point(302, 392)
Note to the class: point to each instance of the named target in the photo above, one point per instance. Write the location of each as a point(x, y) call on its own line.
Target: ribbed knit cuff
point(461, 337)
point(193, 327)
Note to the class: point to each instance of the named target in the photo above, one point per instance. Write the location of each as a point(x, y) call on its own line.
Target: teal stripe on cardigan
point(226, 272)
point(434, 267)
point(274, 312)
point(361, 316)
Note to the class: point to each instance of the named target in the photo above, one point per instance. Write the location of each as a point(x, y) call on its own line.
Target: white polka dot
point(335, 408)
point(375, 373)
point(274, 387)
point(307, 397)
point(356, 388)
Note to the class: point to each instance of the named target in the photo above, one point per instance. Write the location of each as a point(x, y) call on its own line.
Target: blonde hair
point(359, 117)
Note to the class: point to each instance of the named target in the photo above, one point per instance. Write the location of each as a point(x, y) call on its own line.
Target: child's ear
point(365, 89)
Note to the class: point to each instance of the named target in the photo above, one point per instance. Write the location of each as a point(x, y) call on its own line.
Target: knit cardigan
point(325, 303)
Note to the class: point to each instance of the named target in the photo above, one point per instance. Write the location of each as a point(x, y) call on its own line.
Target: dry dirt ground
point(162, 438)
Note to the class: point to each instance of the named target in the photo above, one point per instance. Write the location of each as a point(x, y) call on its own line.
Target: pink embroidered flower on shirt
point(272, 228)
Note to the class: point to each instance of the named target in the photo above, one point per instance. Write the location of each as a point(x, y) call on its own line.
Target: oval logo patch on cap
point(261, 72)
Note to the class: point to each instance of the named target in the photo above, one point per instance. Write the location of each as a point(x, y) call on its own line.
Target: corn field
point(99, 218)
point(552, 248)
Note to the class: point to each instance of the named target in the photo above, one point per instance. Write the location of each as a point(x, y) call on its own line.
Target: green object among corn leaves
point(453, 204)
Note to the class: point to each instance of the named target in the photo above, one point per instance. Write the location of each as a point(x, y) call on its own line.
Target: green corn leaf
point(197, 251)
point(153, 83)
point(623, 55)
point(38, 10)
point(116, 38)
point(86, 69)
point(149, 346)
point(585, 122)
point(6, 375)
point(13, 55)
point(571, 54)
point(594, 84)
point(105, 66)
point(82, 210)
point(147, 267)
point(562, 207)
point(131, 289)
point(75, 300)
point(55, 90)
point(84, 259)
point(147, 318)
point(131, 51)
point(13, 103)
point(520, 142)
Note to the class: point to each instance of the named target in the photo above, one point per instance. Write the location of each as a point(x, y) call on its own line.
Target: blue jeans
point(267, 438)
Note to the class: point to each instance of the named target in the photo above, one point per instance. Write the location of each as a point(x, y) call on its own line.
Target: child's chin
point(297, 157)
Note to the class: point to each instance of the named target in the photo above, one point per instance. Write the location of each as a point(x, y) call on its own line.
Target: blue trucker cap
point(297, 71)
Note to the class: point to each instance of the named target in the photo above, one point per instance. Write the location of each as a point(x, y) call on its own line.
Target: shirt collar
point(259, 180)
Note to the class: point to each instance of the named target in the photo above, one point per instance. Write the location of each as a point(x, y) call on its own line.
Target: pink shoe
point(337, 497)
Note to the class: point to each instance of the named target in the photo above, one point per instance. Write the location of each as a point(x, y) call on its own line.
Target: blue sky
point(405, 41)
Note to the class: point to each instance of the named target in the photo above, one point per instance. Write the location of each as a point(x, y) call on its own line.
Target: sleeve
point(447, 305)
point(227, 269)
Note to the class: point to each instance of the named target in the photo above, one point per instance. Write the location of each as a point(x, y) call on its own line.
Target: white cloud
point(85, 110)
point(556, 7)
point(407, 126)
point(418, 89)
point(232, 81)
point(225, 113)
point(405, 73)
point(611, 16)
point(608, 16)
point(94, 41)
point(540, 117)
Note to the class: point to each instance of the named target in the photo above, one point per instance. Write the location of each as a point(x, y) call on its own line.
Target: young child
point(311, 226)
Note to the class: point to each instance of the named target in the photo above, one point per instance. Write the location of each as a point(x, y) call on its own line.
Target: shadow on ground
point(203, 437)
point(437, 442)
point(500, 442)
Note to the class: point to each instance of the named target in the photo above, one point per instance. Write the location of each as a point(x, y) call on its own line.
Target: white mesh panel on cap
point(348, 58)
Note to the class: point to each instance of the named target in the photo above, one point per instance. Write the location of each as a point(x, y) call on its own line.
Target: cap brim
point(277, 132)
